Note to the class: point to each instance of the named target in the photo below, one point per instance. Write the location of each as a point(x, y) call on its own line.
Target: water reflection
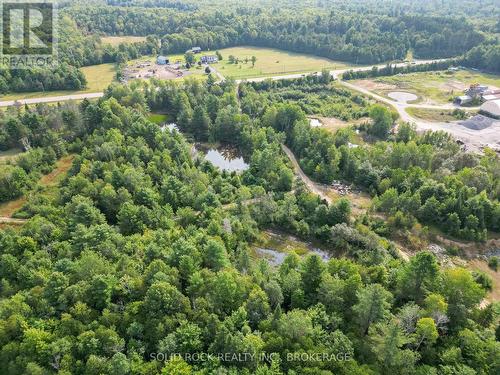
point(275, 258)
point(224, 157)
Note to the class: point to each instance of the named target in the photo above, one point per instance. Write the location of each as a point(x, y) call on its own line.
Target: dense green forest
point(363, 32)
point(339, 35)
point(139, 264)
point(143, 258)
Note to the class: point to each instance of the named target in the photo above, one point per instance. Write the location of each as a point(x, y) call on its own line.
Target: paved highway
point(93, 95)
point(52, 99)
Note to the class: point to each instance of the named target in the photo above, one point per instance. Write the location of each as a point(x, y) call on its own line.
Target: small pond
point(275, 258)
point(315, 123)
point(226, 158)
point(402, 97)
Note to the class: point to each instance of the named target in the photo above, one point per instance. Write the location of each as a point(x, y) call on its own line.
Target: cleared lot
point(430, 87)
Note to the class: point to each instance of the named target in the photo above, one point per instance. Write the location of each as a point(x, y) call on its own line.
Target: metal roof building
point(162, 60)
point(491, 108)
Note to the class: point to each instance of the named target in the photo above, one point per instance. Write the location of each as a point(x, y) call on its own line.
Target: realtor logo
point(28, 34)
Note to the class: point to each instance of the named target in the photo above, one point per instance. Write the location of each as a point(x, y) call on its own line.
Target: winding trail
point(320, 190)
point(313, 186)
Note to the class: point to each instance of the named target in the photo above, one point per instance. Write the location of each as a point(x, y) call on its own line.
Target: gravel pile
point(478, 122)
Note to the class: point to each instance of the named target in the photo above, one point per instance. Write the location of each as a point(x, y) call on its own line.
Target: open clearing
point(7, 209)
point(481, 265)
point(438, 115)
point(146, 67)
point(271, 61)
point(98, 78)
point(333, 124)
point(360, 201)
point(430, 87)
point(158, 118)
point(282, 243)
point(116, 40)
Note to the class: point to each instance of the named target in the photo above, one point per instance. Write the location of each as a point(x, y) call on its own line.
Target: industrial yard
point(146, 69)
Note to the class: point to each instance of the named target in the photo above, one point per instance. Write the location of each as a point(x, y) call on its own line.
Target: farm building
point(491, 108)
point(162, 60)
point(491, 97)
point(209, 59)
point(462, 100)
point(194, 50)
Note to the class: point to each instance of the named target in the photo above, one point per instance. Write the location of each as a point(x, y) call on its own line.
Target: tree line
point(356, 38)
point(393, 69)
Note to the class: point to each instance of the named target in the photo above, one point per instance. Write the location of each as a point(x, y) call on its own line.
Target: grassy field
point(116, 40)
point(98, 78)
point(436, 115)
point(431, 87)
point(271, 62)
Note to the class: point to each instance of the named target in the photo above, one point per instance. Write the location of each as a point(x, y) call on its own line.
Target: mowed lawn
point(98, 78)
point(116, 40)
point(431, 87)
point(271, 62)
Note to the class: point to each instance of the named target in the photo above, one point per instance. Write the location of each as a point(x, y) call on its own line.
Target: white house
point(209, 59)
